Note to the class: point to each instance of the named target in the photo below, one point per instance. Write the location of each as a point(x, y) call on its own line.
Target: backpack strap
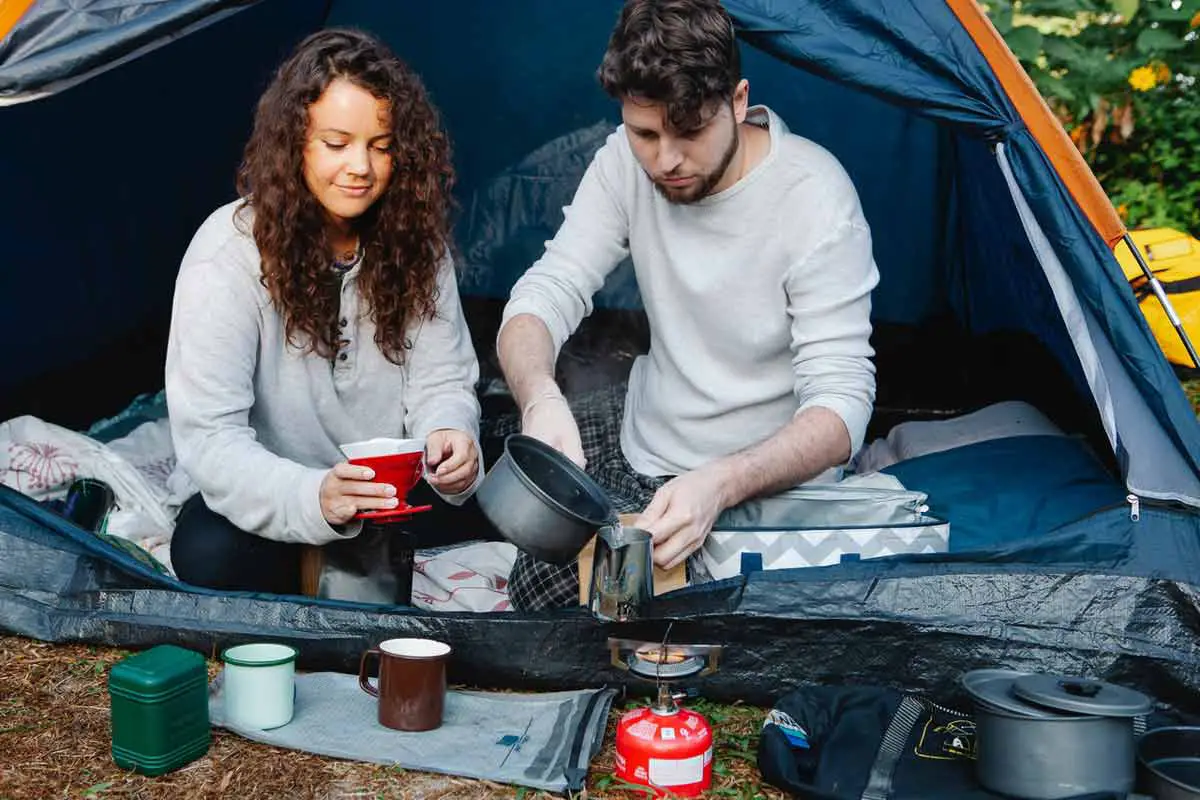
point(908, 713)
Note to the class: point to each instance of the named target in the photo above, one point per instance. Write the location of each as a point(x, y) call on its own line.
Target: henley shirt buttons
point(342, 322)
point(342, 356)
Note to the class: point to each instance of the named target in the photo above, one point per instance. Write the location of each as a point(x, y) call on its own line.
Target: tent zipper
point(1136, 504)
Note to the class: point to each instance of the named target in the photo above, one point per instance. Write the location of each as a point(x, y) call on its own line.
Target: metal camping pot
point(1169, 763)
point(542, 502)
point(622, 573)
point(1043, 737)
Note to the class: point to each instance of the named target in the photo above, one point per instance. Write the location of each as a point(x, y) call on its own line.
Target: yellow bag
point(1174, 258)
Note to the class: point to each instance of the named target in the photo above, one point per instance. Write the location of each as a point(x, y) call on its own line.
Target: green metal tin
point(159, 710)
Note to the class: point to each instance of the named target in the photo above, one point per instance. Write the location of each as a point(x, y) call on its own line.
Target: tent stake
point(1161, 294)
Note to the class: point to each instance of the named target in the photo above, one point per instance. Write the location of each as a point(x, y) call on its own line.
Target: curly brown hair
point(405, 235)
point(681, 53)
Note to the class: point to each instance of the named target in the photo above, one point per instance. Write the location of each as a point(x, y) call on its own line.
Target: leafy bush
point(1121, 76)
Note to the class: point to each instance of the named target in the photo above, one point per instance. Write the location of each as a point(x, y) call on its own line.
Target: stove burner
point(662, 662)
point(654, 661)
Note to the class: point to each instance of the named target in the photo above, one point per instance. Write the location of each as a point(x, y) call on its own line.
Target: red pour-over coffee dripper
point(400, 462)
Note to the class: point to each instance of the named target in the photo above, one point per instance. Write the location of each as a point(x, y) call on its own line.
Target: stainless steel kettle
point(622, 573)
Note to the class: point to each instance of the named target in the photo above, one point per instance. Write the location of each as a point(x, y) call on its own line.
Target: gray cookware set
point(1043, 737)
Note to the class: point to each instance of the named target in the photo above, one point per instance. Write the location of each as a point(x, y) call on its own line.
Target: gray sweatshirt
point(758, 297)
point(256, 422)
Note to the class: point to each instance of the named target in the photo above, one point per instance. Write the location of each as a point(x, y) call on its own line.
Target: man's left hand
point(682, 513)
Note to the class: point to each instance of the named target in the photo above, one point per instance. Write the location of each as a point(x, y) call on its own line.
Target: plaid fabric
point(537, 586)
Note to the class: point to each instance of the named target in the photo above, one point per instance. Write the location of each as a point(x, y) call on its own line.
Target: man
point(755, 268)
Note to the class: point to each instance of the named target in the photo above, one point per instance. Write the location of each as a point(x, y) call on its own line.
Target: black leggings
point(209, 550)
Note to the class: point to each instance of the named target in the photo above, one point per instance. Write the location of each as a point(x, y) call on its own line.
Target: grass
point(1192, 389)
point(55, 740)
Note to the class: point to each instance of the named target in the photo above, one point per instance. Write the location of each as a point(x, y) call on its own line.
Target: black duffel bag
point(872, 743)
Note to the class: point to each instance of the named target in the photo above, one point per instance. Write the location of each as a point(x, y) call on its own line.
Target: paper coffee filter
point(381, 446)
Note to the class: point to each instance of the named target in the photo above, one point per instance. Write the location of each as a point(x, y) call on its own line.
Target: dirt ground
point(55, 739)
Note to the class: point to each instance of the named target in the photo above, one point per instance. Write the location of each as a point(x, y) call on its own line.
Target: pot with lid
point(1043, 737)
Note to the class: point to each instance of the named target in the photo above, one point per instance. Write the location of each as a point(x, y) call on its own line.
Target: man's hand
point(548, 417)
point(451, 461)
point(347, 489)
point(682, 513)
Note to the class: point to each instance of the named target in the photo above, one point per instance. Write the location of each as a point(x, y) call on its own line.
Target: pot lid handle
point(993, 689)
point(1082, 696)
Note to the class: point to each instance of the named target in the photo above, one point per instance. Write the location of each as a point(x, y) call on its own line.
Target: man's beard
point(703, 188)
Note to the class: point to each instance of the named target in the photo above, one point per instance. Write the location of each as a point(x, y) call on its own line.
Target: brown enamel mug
point(412, 682)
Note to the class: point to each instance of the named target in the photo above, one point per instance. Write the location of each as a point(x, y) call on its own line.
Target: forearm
point(281, 502)
point(526, 352)
point(815, 440)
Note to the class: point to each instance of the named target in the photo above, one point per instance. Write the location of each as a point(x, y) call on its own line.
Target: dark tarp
point(1115, 606)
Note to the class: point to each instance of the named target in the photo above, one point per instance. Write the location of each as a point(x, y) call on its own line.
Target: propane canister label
point(678, 771)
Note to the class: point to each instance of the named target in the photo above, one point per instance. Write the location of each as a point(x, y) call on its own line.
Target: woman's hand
point(451, 461)
point(347, 489)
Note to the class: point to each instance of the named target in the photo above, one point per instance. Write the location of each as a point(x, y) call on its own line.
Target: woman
point(319, 309)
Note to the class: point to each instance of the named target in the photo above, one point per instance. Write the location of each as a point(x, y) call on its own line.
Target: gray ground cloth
point(544, 741)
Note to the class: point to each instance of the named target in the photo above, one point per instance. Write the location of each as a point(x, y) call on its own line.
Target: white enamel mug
point(259, 685)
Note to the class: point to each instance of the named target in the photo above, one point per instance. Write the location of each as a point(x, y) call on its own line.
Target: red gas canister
point(669, 749)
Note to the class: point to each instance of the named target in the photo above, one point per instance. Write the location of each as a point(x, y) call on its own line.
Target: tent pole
point(1161, 294)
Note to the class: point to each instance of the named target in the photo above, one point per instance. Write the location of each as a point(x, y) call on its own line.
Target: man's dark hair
point(681, 53)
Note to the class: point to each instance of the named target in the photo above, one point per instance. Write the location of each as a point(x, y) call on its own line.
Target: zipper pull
point(1135, 509)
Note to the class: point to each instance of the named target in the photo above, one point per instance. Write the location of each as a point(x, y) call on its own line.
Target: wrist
point(539, 387)
point(549, 395)
point(728, 480)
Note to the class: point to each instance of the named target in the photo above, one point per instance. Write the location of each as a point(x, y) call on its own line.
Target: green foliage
point(1155, 175)
point(1121, 75)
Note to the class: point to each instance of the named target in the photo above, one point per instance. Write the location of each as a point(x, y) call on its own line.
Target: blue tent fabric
point(110, 224)
point(920, 56)
point(503, 104)
point(897, 90)
point(57, 39)
point(915, 54)
point(1106, 293)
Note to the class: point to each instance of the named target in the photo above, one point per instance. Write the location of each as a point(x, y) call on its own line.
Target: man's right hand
point(548, 417)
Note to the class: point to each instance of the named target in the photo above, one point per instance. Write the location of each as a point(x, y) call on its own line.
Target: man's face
point(689, 165)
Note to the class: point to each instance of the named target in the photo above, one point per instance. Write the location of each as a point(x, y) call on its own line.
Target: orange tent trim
point(1040, 120)
point(11, 12)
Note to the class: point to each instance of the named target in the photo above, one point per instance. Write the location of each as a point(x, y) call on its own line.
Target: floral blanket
point(42, 460)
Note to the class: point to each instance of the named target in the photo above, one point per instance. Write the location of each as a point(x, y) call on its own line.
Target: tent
point(121, 130)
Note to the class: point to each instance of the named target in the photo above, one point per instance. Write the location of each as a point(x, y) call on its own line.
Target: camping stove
point(663, 746)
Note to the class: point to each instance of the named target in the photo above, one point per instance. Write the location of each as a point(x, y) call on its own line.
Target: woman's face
point(347, 162)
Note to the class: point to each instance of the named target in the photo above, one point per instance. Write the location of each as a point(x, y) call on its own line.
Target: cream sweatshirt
point(758, 298)
point(256, 422)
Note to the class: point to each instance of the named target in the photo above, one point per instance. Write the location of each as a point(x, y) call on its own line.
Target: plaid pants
point(537, 586)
